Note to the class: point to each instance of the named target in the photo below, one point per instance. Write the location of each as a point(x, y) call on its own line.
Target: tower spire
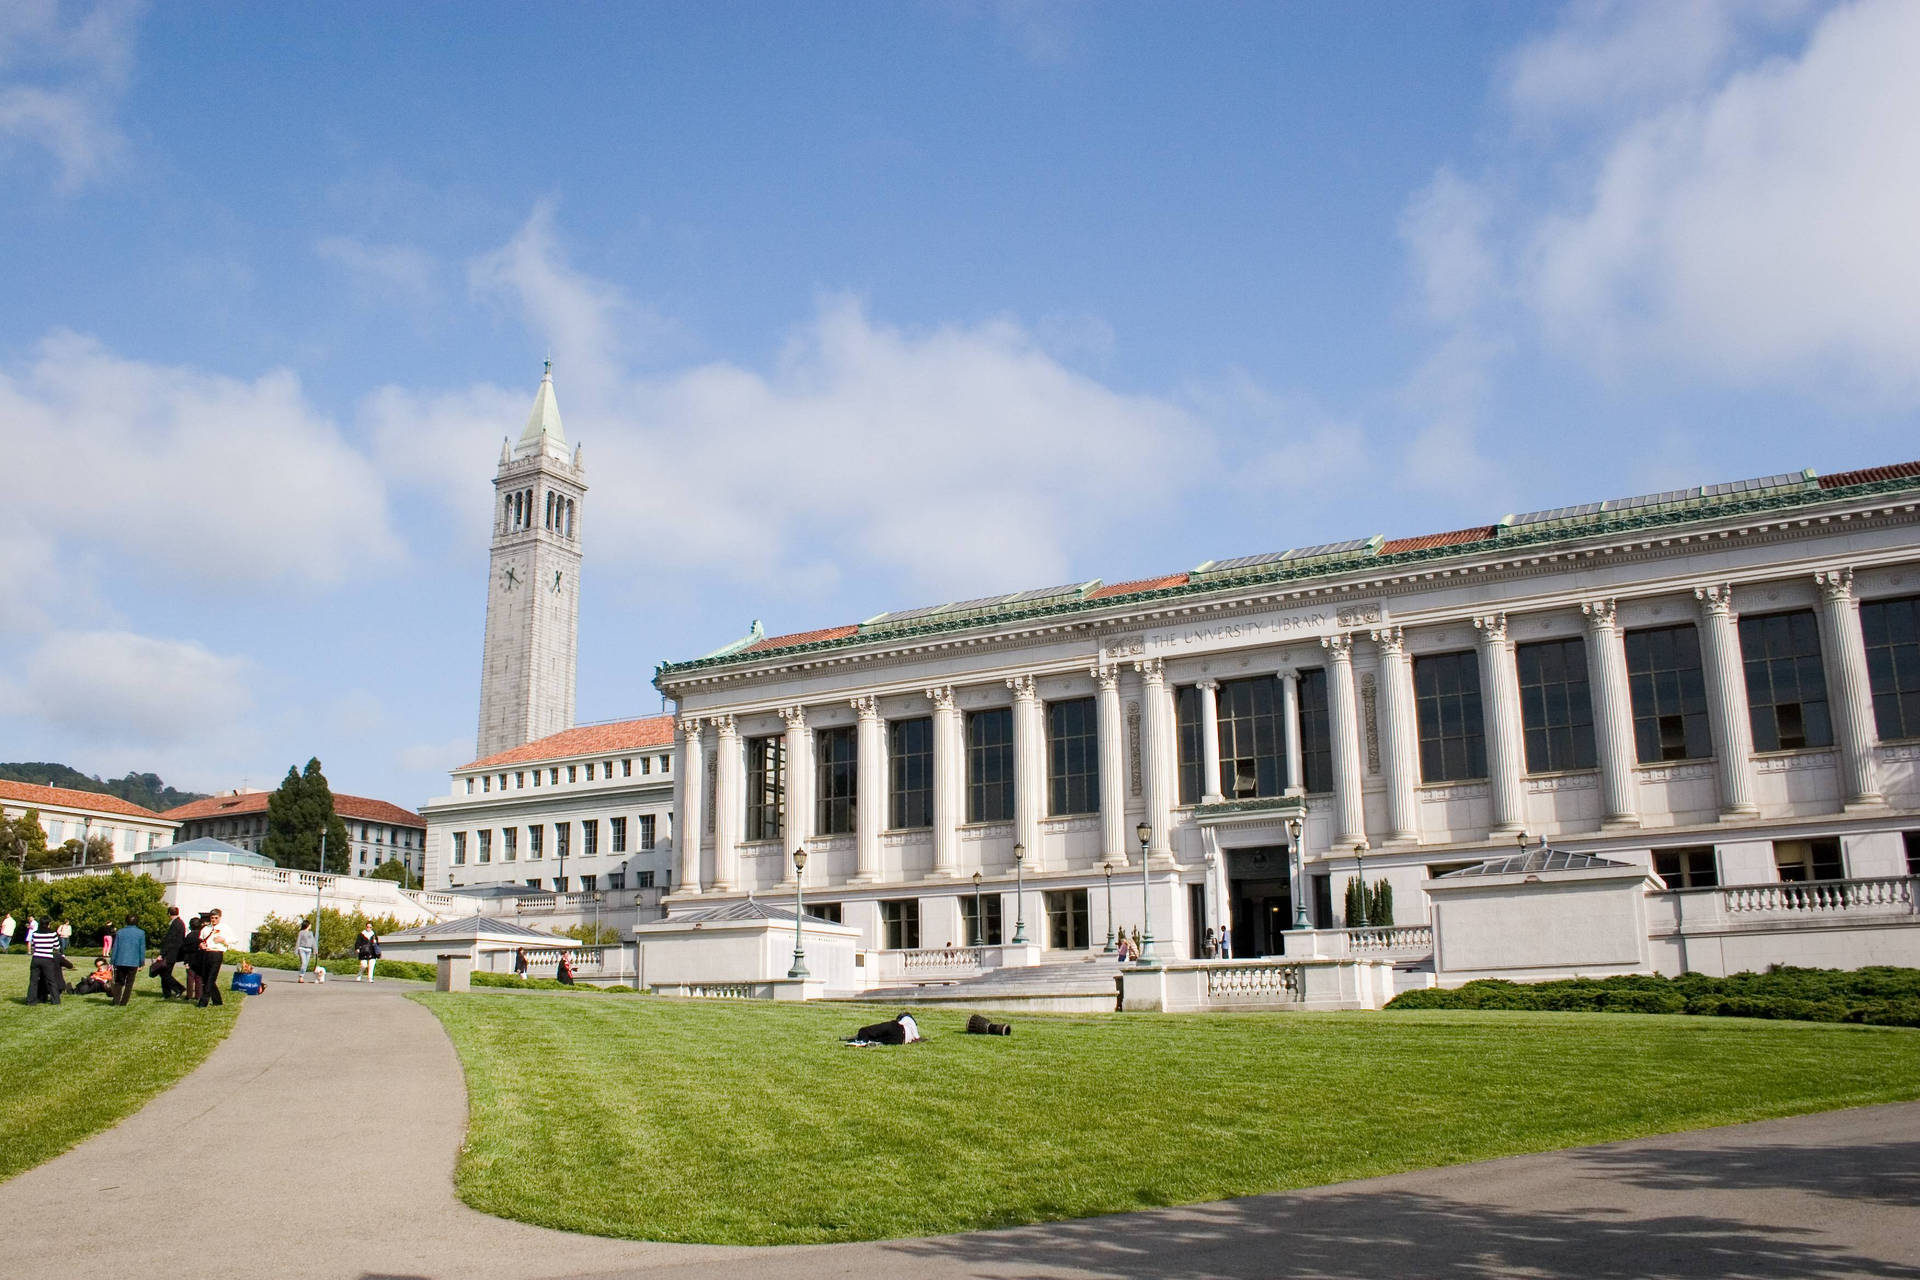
point(544, 434)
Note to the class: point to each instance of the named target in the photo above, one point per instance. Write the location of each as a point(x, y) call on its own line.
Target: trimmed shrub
point(1880, 995)
point(338, 967)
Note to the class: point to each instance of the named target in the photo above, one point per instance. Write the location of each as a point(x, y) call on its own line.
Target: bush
point(535, 984)
point(338, 930)
point(1879, 995)
point(338, 968)
point(91, 903)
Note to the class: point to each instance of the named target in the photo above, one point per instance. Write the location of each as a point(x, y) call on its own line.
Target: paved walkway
point(335, 1114)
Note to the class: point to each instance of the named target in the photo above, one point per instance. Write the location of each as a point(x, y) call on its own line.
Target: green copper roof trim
point(1504, 542)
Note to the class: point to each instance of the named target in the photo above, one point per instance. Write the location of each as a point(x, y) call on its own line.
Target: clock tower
point(533, 584)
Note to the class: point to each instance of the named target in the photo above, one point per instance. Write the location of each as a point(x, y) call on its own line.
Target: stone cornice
point(1509, 557)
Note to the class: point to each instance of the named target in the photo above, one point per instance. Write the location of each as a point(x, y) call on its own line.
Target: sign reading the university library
point(1238, 633)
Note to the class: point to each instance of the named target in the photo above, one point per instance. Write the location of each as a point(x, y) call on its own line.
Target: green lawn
point(74, 1070)
point(751, 1124)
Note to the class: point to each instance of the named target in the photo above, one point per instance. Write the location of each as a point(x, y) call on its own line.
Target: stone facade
point(379, 832)
point(66, 814)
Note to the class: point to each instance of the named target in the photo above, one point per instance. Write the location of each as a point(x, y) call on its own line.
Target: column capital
point(1106, 677)
point(690, 726)
point(1602, 615)
point(1835, 584)
point(1340, 645)
point(866, 706)
point(1022, 686)
point(796, 717)
point(1716, 600)
point(1207, 683)
point(724, 725)
point(1492, 627)
point(1390, 639)
point(941, 696)
point(1152, 670)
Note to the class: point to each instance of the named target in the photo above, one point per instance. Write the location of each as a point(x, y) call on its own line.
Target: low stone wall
point(1200, 986)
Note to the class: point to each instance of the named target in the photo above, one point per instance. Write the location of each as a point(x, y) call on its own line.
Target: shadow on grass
point(1395, 1234)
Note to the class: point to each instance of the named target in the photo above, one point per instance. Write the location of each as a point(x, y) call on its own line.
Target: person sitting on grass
point(101, 979)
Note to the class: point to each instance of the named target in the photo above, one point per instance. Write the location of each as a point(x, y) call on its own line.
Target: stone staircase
point(1075, 986)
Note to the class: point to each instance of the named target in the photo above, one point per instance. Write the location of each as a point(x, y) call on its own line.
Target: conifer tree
point(296, 815)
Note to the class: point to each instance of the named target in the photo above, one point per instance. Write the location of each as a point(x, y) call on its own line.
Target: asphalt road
point(319, 1141)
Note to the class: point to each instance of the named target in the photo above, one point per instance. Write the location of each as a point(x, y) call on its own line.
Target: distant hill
point(143, 789)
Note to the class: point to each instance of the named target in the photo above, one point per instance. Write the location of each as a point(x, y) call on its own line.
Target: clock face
point(509, 578)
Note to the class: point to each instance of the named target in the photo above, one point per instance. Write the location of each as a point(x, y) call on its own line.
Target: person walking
point(519, 962)
point(106, 943)
point(6, 934)
point(172, 944)
point(305, 943)
point(129, 953)
point(43, 975)
point(367, 948)
point(213, 953)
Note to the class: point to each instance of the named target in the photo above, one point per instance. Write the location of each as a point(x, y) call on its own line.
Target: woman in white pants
point(367, 947)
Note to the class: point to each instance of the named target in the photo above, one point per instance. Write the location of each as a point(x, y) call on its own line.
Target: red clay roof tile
point(587, 740)
point(359, 808)
point(1870, 475)
point(34, 795)
point(1425, 540)
point(1137, 586)
point(801, 637)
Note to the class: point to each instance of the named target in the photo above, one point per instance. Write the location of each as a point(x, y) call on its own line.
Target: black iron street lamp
point(1107, 867)
point(979, 921)
point(1145, 833)
point(1360, 900)
point(1295, 828)
point(799, 969)
point(1019, 894)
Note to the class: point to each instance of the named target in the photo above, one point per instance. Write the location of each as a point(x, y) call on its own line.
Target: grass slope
point(751, 1124)
point(75, 1070)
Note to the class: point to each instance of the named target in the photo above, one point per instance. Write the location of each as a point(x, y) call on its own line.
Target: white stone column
point(686, 823)
point(1029, 768)
point(1210, 792)
point(1500, 714)
point(796, 790)
point(870, 788)
point(948, 797)
point(1612, 715)
point(1113, 769)
point(1290, 726)
point(729, 804)
point(1849, 695)
point(1350, 822)
point(1727, 699)
point(1401, 751)
point(1161, 785)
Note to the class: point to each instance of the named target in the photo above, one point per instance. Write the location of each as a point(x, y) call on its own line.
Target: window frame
point(836, 756)
point(990, 765)
point(1556, 707)
point(1663, 697)
point(1457, 753)
point(766, 787)
point(910, 773)
point(900, 924)
point(1243, 725)
point(1073, 757)
point(1787, 704)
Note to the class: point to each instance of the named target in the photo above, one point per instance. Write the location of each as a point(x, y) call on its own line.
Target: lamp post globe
point(979, 921)
point(1145, 834)
point(1107, 869)
point(1360, 902)
point(1295, 830)
point(1019, 894)
point(799, 969)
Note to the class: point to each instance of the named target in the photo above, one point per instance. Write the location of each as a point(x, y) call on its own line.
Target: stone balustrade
point(1395, 939)
point(1195, 986)
point(1875, 895)
point(1264, 982)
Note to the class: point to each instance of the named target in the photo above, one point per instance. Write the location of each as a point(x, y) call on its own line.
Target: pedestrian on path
point(213, 953)
point(305, 943)
point(519, 962)
point(172, 944)
point(129, 953)
point(43, 975)
point(367, 948)
point(106, 943)
point(6, 934)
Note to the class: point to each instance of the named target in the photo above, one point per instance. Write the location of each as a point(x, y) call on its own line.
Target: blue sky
point(858, 307)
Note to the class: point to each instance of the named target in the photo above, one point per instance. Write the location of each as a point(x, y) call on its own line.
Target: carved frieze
point(1442, 793)
point(1133, 748)
point(1563, 782)
point(1675, 772)
point(1370, 718)
point(1794, 762)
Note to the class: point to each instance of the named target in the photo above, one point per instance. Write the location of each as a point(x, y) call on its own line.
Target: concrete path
point(329, 1122)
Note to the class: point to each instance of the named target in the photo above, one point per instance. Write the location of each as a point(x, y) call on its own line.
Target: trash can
point(456, 973)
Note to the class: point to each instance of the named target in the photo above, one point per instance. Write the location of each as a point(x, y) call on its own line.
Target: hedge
point(338, 969)
point(540, 984)
point(1880, 995)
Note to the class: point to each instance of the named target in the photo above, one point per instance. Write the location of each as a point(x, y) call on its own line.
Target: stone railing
point(711, 990)
point(583, 957)
point(1264, 982)
point(1878, 896)
point(944, 962)
point(1399, 939)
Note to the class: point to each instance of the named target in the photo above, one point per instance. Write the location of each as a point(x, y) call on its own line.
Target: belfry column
point(1848, 690)
point(1350, 821)
point(1612, 715)
point(870, 789)
point(796, 793)
point(690, 820)
point(1290, 714)
point(1210, 792)
point(1113, 769)
point(1153, 698)
point(1506, 754)
point(1029, 769)
point(946, 782)
point(729, 804)
point(1402, 748)
point(1727, 699)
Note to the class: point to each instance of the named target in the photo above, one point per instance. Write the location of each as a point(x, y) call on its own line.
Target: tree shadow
point(1887, 1172)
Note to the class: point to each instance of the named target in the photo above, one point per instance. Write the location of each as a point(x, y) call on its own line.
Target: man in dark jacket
point(171, 946)
point(129, 953)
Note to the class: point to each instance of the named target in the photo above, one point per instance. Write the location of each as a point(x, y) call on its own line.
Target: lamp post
point(1295, 829)
point(1360, 859)
point(799, 969)
point(1107, 867)
point(1019, 894)
point(1145, 833)
point(979, 921)
point(86, 838)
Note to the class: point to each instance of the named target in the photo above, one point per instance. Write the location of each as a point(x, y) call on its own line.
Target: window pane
point(1316, 734)
point(1446, 689)
point(1250, 763)
point(1786, 685)
point(1073, 757)
point(1186, 719)
point(835, 772)
point(910, 773)
point(766, 788)
point(1669, 695)
point(1555, 706)
point(990, 765)
point(1891, 629)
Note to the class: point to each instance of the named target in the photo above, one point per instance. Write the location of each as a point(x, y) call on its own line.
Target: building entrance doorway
point(1262, 900)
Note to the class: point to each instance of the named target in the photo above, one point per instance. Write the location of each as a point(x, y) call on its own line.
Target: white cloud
point(381, 270)
point(63, 70)
point(215, 478)
point(1444, 228)
point(115, 689)
point(435, 757)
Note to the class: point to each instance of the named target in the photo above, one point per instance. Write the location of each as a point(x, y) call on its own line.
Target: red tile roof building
point(380, 831)
point(68, 814)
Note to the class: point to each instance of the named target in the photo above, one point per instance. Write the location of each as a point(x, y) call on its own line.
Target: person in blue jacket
point(128, 954)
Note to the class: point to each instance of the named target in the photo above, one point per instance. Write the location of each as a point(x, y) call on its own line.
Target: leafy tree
point(23, 842)
point(296, 815)
point(337, 931)
point(91, 903)
point(605, 936)
point(1376, 899)
point(395, 870)
point(97, 851)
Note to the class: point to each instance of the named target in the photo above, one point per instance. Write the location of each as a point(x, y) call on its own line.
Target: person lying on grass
point(101, 979)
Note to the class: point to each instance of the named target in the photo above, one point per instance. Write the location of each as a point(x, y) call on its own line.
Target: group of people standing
point(198, 944)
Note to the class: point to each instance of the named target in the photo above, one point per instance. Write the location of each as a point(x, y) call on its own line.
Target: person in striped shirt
point(43, 978)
